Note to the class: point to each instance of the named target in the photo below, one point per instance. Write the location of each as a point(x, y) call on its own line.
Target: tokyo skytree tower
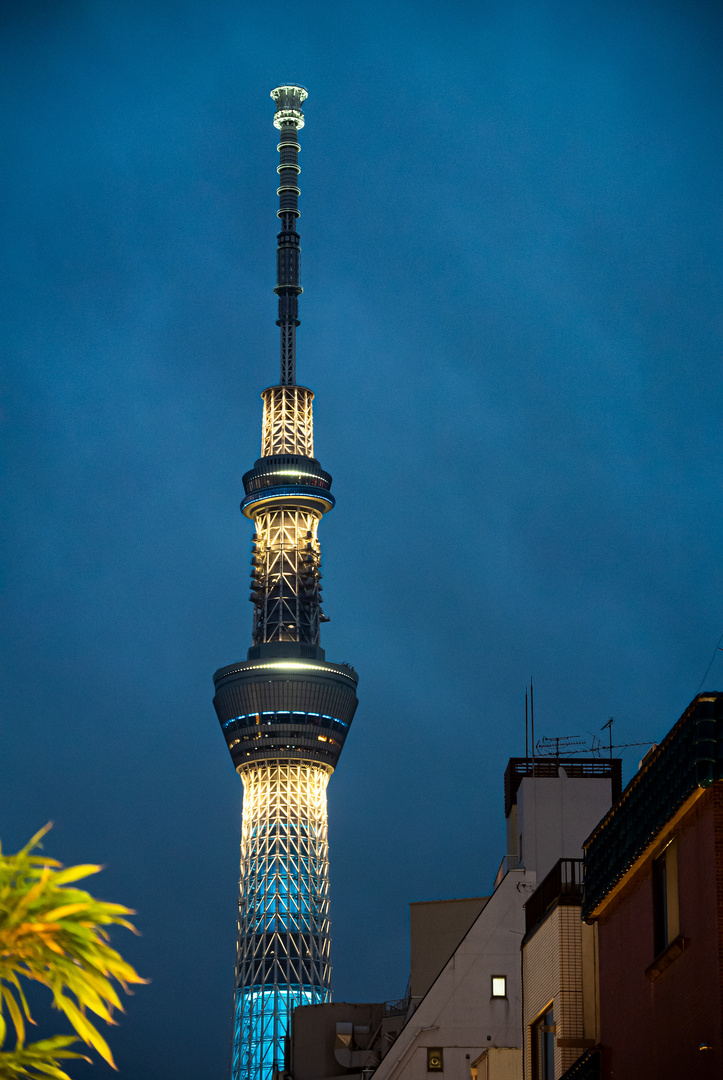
point(285, 711)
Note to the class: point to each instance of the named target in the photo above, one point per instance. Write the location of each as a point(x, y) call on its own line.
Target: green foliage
point(39, 1059)
point(55, 935)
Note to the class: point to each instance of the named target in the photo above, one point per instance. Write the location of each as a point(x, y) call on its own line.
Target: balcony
point(563, 885)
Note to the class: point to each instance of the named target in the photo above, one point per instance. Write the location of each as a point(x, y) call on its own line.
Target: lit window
point(499, 986)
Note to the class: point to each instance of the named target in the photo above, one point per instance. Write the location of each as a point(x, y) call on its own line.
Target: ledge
point(665, 959)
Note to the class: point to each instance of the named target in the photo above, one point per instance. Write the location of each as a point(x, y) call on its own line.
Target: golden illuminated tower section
point(285, 710)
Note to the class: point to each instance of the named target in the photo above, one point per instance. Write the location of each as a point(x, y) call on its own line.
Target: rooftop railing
point(547, 768)
point(563, 885)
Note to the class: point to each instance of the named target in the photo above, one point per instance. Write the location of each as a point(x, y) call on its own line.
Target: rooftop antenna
point(567, 744)
point(609, 727)
point(527, 752)
point(532, 726)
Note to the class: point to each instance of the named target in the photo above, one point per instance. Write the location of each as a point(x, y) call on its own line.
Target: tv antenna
point(569, 745)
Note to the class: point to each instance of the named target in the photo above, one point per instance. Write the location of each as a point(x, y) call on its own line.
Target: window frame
point(666, 905)
point(542, 1040)
point(493, 995)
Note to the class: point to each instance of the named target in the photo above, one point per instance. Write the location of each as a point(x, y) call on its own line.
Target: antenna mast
point(289, 120)
point(532, 726)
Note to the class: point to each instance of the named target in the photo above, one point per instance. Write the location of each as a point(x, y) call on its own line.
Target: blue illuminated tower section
point(285, 711)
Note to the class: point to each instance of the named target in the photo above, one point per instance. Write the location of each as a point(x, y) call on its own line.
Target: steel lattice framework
point(288, 423)
point(285, 711)
point(283, 939)
point(286, 576)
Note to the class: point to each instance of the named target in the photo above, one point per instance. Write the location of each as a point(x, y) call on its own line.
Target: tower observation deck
point(285, 711)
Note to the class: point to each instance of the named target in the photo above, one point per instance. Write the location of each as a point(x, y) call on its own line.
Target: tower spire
point(286, 710)
point(289, 120)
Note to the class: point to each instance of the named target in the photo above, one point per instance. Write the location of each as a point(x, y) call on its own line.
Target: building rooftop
point(689, 757)
point(549, 767)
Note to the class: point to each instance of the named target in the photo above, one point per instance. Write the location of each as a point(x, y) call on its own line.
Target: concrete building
point(358, 1036)
point(473, 1005)
point(497, 1063)
point(436, 927)
point(463, 1015)
point(341, 1039)
point(469, 1019)
point(554, 813)
point(551, 805)
point(654, 891)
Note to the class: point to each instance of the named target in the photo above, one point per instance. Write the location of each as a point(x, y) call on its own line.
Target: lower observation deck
point(282, 704)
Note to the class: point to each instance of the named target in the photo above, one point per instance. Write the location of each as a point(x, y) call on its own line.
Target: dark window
point(666, 919)
point(435, 1061)
point(543, 1046)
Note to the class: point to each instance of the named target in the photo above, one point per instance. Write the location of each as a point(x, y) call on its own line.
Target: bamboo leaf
point(86, 1030)
point(35, 840)
point(13, 979)
point(74, 873)
point(56, 934)
point(15, 1014)
point(63, 912)
point(47, 1070)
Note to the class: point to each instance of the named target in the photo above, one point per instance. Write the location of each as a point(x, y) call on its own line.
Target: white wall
point(458, 1012)
point(498, 1064)
point(555, 815)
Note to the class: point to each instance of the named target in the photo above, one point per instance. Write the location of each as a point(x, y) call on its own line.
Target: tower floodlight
point(285, 711)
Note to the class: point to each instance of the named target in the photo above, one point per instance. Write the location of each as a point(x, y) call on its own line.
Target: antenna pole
point(527, 752)
point(532, 726)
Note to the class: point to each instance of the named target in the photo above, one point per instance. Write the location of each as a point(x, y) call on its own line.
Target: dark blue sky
point(511, 319)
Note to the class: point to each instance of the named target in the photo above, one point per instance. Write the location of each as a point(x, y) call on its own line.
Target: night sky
point(511, 320)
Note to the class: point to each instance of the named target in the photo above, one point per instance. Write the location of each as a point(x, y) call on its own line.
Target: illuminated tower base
point(283, 940)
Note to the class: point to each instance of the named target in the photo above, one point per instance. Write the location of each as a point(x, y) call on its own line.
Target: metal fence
point(562, 885)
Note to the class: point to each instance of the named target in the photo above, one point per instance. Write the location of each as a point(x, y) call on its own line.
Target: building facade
point(654, 892)
point(463, 1014)
point(285, 711)
point(560, 1013)
point(469, 1020)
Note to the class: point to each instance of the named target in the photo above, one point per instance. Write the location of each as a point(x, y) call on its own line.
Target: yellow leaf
point(16, 1015)
point(12, 978)
point(35, 840)
point(32, 894)
point(73, 873)
point(61, 912)
point(86, 1030)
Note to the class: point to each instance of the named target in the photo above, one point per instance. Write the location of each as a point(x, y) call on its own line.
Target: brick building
point(559, 976)
point(654, 889)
